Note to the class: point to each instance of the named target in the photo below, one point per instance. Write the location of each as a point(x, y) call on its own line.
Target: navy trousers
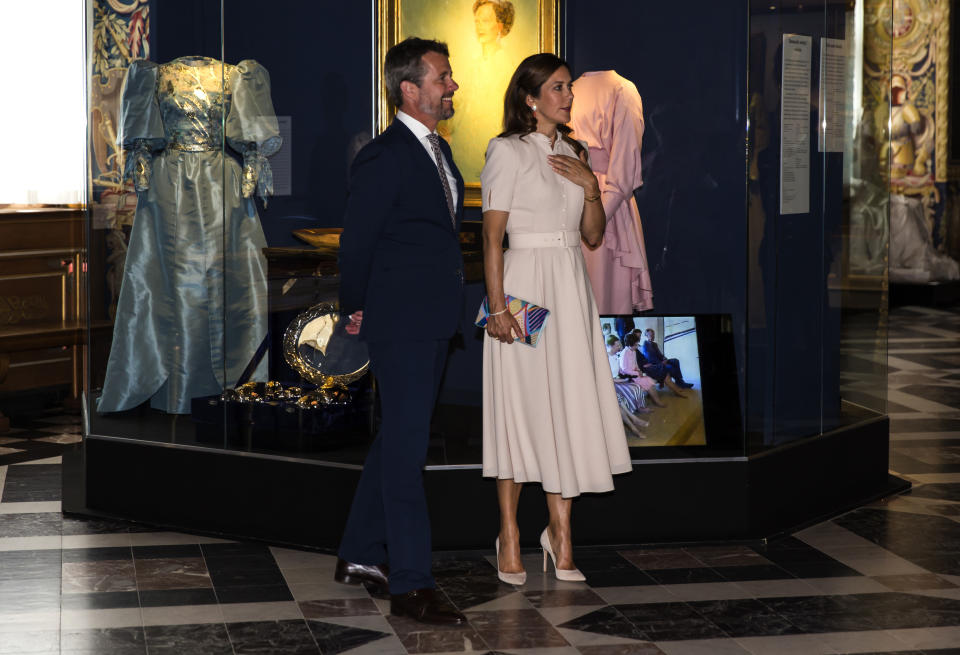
point(388, 520)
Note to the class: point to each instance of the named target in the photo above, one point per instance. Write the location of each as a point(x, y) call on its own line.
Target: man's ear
point(408, 89)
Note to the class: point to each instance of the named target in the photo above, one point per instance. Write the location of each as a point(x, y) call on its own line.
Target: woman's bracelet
point(502, 311)
point(591, 198)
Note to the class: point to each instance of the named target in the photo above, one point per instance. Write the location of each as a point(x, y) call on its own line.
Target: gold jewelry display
point(317, 346)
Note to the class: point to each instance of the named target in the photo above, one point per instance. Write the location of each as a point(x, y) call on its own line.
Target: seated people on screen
point(657, 372)
point(652, 352)
point(630, 369)
point(613, 354)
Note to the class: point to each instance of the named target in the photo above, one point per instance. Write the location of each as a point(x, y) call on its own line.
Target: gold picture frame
point(478, 68)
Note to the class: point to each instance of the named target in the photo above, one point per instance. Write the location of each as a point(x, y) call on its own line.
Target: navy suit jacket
point(400, 259)
point(652, 352)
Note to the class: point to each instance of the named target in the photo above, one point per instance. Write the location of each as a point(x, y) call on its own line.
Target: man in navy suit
point(653, 354)
point(401, 282)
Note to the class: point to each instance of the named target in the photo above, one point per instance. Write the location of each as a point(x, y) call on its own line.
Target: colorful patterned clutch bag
point(530, 317)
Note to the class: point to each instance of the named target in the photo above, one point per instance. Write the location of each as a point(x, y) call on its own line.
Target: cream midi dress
point(550, 412)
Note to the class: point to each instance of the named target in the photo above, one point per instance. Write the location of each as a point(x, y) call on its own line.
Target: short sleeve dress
point(550, 412)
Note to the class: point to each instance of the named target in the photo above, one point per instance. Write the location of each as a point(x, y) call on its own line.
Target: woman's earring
point(533, 108)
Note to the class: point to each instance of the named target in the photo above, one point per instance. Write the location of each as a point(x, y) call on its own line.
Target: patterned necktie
point(435, 145)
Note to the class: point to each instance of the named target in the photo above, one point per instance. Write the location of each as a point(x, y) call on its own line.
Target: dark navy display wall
point(319, 59)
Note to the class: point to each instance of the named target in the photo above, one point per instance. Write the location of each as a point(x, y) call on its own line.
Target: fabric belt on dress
point(569, 239)
point(193, 147)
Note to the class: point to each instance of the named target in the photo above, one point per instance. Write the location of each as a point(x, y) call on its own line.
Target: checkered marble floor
point(884, 578)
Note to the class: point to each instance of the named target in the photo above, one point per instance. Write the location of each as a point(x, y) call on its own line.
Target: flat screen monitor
point(676, 382)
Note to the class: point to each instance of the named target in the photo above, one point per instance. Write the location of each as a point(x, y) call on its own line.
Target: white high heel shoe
point(567, 575)
point(509, 578)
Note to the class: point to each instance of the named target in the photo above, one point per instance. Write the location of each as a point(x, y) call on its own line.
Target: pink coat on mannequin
point(608, 115)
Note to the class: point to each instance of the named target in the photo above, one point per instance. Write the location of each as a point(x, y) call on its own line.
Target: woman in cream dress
point(550, 412)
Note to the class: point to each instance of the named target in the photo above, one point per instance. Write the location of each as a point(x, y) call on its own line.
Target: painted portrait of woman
point(487, 40)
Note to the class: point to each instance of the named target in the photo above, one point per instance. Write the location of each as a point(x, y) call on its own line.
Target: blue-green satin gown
point(193, 303)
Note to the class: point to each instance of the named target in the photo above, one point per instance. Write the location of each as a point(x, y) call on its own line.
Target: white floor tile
point(30, 543)
point(580, 638)
point(46, 460)
point(558, 615)
point(30, 508)
point(390, 645)
point(29, 622)
point(172, 539)
point(513, 601)
point(90, 619)
point(786, 645)
point(375, 622)
point(639, 594)
point(182, 615)
point(846, 585)
point(928, 638)
point(96, 540)
point(288, 558)
point(702, 647)
point(278, 611)
point(326, 590)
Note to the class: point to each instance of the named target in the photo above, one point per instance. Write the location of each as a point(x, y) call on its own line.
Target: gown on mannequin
point(608, 115)
point(192, 310)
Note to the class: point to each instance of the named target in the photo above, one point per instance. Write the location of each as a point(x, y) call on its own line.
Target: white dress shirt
point(421, 131)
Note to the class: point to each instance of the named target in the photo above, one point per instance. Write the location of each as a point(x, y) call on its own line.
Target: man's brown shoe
point(350, 573)
point(425, 606)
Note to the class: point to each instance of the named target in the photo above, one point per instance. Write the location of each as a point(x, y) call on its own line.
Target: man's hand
point(353, 327)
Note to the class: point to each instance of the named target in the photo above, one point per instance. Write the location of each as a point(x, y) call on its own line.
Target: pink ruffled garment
point(608, 115)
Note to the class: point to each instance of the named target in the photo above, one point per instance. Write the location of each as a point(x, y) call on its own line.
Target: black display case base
point(305, 503)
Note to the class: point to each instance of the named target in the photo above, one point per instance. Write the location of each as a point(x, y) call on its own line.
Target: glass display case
point(223, 392)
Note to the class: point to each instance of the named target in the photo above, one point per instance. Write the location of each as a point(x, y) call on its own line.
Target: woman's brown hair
point(530, 75)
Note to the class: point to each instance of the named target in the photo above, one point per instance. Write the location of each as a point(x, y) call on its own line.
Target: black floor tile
point(30, 564)
point(755, 572)
point(100, 600)
point(253, 594)
point(606, 621)
point(105, 641)
point(684, 576)
point(167, 552)
point(209, 639)
point(633, 578)
point(46, 524)
point(241, 563)
point(32, 483)
point(82, 526)
point(97, 554)
point(245, 577)
point(745, 618)
point(38, 595)
point(470, 591)
point(265, 637)
point(334, 639)
point(671, 622)
point(174, 597)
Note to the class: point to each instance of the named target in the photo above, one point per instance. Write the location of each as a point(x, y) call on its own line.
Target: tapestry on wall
point(912, 85)
point(120, 33)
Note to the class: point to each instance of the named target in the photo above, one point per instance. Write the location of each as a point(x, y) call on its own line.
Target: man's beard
point(442, 113)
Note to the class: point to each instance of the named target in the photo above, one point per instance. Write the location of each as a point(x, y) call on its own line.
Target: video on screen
point(655, 364)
